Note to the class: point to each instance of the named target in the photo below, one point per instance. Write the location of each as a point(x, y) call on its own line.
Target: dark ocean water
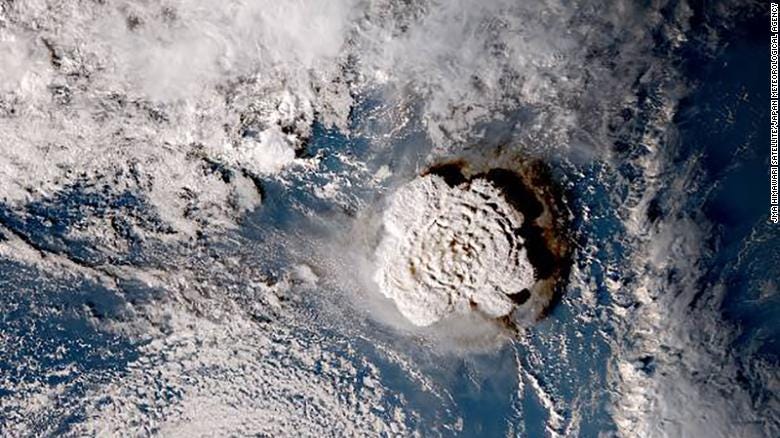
point(727, 122)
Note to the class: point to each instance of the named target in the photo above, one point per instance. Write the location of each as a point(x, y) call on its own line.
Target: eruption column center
point(451, 249)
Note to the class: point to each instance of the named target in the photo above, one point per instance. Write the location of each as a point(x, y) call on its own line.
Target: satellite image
point(389, 218)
